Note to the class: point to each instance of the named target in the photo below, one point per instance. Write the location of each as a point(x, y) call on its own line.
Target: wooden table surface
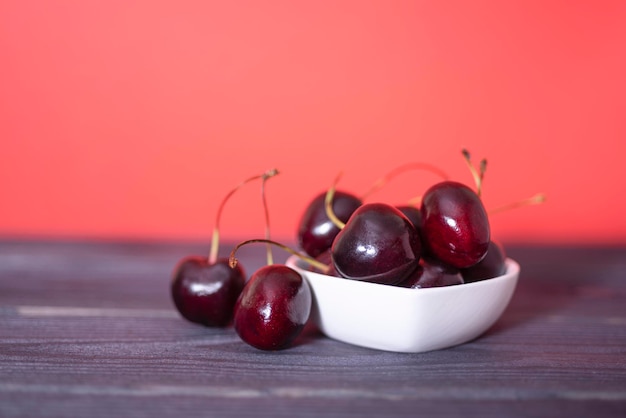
point(88, 329)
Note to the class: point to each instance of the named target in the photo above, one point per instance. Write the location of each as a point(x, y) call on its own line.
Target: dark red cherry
point(378, 244)
point(316, 231)
point(413, 213)
point(273, 308)
point(492, 265)
point(205, 293)
point(455, 226)
point(415, 216)
point(432, 274)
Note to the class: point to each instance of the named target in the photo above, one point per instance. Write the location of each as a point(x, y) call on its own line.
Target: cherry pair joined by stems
point(204, 289)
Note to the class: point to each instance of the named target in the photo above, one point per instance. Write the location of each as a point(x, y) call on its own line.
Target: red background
point(134, 118)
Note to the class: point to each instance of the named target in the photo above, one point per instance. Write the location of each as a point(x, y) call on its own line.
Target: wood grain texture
point(88, 329)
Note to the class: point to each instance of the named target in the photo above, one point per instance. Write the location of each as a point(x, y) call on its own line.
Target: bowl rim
point(512, 269)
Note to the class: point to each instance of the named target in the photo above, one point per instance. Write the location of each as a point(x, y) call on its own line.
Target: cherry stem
point(232, 260)
point(213, 254)
point(328, 204)
point(482, 169)
point(378, 184)
point(270, 258)
point(479, 174)
point(537, 199)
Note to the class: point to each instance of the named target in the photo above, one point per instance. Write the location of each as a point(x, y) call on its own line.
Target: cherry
point(275, 303)
point(455, 225)
point(378, 244)
point(432, 273)
point(204, 289)
point(413, 213)
point(205, 292)
point(273, 307)
point(316, 231)
point(492, 265)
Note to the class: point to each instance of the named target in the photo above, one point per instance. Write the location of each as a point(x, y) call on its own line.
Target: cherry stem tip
point(537, 199)
point(479, 174)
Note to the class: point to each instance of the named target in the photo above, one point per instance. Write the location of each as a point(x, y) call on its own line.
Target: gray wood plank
point(87, 328)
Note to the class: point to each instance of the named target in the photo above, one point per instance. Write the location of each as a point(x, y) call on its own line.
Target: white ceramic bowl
point(406, 320)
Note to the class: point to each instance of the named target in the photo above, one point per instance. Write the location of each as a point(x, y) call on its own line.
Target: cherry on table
point(205, 293)
point(205, 289)
point(275, 303)
point(273, 307)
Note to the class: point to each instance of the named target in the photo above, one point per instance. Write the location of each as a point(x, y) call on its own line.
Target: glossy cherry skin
point(433, 274)
point(273, 308)
point(492, 265)
point(206, 293)
point(316, 231)
point(378, 244)
point(413, 214)
point(455, 226)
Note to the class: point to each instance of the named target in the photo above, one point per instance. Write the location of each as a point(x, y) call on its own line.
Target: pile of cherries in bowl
point(445, 240)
